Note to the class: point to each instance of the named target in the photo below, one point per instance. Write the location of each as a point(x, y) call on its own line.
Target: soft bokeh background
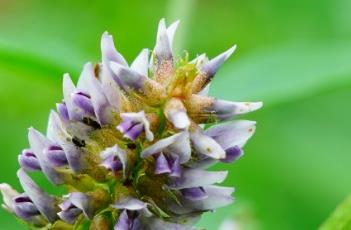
point(293, 55)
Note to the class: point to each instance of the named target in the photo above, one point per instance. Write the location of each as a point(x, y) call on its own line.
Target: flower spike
point(131, 144)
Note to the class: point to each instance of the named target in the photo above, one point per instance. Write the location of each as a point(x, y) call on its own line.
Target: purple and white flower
point(128, 144)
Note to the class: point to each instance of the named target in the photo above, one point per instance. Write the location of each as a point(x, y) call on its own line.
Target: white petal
point(197, 177)
point(42, 201)
point(206, 145)
point(68, 90)
point(141, 63)
point(130, 204)
point(175, 144)
point(109, 52)
point(231, 134)
point(163, 49)
point(8, 193)
point(171, 30)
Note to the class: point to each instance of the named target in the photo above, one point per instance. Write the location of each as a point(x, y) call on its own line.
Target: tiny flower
point(115, 159)
point(132, 144)
point(134, 124)
point(75, 204)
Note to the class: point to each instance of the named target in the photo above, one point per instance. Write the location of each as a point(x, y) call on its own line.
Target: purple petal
point(42, 201)
point(62, 110)
point(130, 120)
point(98, 101)
point(126, 124)
point(197, 193)
point(28, 161)
point(114, 159)
point(56, 156)
point(175, 166)
point(124, 222)
point(216, 197)
point(134, 132)
point(232, 154)
point(24, 207)
point(211, 67)
point(83, 101)
point(162, 165)
point(178, 144)
point(70, 216)
point(127, 76)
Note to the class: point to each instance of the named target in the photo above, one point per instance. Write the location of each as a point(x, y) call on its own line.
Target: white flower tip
point(180, 120)
point(249, 107)
point(229, 52)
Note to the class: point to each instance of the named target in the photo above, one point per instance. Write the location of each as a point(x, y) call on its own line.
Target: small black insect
point(131, 146)
point(78, 142)
point(91, 122)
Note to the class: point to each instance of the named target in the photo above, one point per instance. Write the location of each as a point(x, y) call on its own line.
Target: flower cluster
point(128, 144)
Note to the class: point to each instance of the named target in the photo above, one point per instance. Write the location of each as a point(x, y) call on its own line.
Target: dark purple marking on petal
point(197, 193)
point(134, 132)
point(162, 165)
point(126, 124)
point(83, 101)
point(24, 207)
point(56, 156)
point(29, 161)
point(232, 154)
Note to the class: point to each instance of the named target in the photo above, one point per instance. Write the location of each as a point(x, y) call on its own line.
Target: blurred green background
point(293, 55)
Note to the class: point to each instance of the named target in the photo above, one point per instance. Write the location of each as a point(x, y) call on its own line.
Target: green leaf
point(340, 219)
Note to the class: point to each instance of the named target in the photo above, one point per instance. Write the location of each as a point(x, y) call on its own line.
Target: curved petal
point(109, 52)
point(209, 69)
point(108, 154)
point(58, 133)
point(8, 193)
point(141, 63)
point(39, 143)
point(206, 145)
point(191, 178)
point(130, 203)
point(231, 134)
point(82, 201)
point(43, 202)
point(177, 144)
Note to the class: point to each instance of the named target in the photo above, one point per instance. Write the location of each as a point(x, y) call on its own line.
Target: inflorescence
point(128, 144)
